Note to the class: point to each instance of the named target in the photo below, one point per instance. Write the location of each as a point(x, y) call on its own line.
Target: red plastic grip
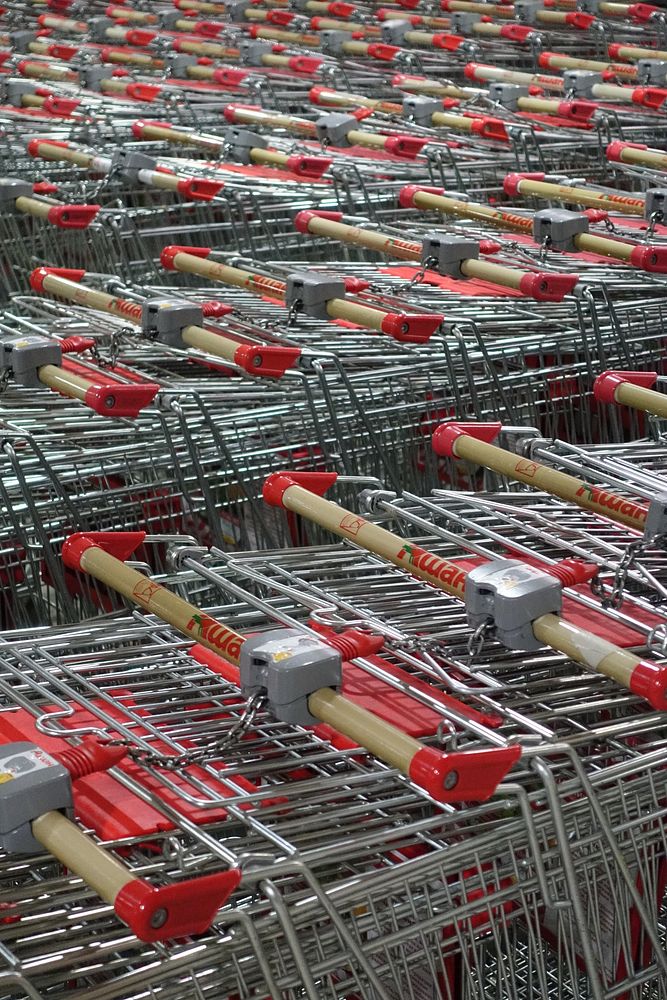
point(63, 106)
point(138, 127)
point(301, 219)
point(469, 776)
point(275, 485)
point(121, 400)
point(308, 166)
point(614, 50)
point(545, 287)
point(40, 273)
point(230, 77)
point(642, 11)
point(209, 29)
point(445, 436)
point(339, 9)
point(271, 362)
point(649, 681)
point(142, 91)
point(615, 148)
point(511, 183)
point(577, 110)
point(304, 64)
point(283, 18)
point(606, 384)
point(76, 344)
point(580, 20)
point(34, 144)
point(490, 128)
point(120, 544)
point(517, 32)
point(651, 258)
point(356, 285)
point(412, 328)
point(173, 911)
point(214, 309)
point(199, 189)
point(443, 40)
point(64, 52)
point(168, 254)
point(406, 197)
point(44, 187)
point(405, 146)
point(72, 216)
point(385, 53)
point(649, 97)
point(140, 37)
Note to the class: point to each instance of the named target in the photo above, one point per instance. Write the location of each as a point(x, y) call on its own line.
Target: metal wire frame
point(373, 904)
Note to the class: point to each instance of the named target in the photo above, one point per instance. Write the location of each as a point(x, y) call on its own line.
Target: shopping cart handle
point(642, 11)
point(650, 258)
point(546, 287)
point(120, 400)
point(606, 384)
point(512, 181)
point(301, 219)
point(139, 126)
point(173, 911)
point(649, 97)
point(405, 146)
point(468, 776)
point(577, 110)
point(275, 485)
point(490, 128)
point(210, 29)
point(120, 544)
point(580, 20)
point(385, 53)
point(444, 436)
point(142, 91)
point(271, 362)
point(412, 328)
point(40, 273)
point(168, 254)
point(308, 166)
point(517, 32)
point(199, 189)
point(226, 77)
point(304, 64)
point(615, 149)
point(406, 196)
point(54, 105)
point(448, 42)
point(73, 216)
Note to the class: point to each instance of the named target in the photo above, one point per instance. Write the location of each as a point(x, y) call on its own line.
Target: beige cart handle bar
point(472, 443)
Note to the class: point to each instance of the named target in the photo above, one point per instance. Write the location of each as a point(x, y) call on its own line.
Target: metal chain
point(199, 754)
point(627, 561)
point(5, 377)
point(476, 641)
point(654, 219)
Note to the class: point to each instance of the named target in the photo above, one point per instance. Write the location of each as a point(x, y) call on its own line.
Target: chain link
point(199, 754)
point(627, 561)
point(476, 641)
